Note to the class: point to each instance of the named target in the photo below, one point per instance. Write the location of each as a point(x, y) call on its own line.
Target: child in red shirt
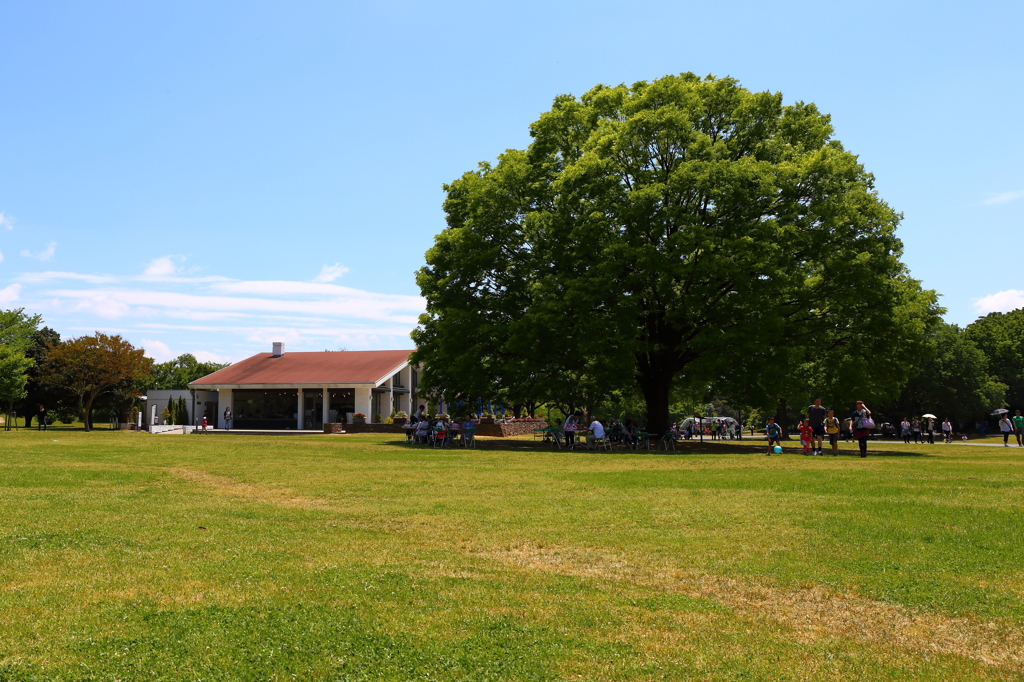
point(806, 434)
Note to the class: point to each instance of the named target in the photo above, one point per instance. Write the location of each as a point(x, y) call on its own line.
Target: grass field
point(134, 557)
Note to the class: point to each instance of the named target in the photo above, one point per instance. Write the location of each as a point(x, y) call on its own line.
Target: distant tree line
point(80, 378)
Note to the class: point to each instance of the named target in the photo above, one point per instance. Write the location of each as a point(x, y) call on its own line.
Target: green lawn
point(127, 556)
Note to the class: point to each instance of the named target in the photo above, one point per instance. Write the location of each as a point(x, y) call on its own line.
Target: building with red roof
point(279, 390)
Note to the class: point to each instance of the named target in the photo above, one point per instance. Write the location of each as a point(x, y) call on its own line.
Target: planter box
point(358, 420)
point(486, 420)
point(400, 421)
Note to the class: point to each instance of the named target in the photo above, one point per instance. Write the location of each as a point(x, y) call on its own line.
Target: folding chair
point(440, 436)
point(668, 441)
point(469, 438)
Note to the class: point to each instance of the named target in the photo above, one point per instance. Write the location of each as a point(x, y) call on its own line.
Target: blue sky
point(210, 177)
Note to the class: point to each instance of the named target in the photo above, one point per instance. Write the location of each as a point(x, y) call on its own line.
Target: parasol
point(929, 416)
point(1001, 410)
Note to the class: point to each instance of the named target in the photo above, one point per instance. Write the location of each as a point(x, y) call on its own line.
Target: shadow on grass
point(708, 447)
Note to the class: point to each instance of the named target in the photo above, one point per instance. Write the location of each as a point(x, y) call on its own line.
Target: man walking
point(1018, 428)
point(41, 419)
point(816, 418)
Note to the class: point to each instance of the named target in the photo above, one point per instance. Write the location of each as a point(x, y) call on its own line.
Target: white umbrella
point(929, 416)
point(1001, 410)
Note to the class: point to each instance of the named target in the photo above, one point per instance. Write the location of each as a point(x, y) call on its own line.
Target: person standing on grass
point(774, 433)
point(227, 418)
point(832, 428)
point(806, 436)
point(1006, 426)
point(947, 430)
point(816, 419)
point(905, 430)
point(1018, 428)
point(862, 425)
point(41, 419)
point(569, 427)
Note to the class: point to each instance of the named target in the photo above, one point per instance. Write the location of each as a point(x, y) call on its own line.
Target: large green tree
point(671, 231)
point(1001, 337)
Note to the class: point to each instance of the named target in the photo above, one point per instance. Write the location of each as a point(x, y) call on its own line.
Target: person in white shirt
point(596, 432)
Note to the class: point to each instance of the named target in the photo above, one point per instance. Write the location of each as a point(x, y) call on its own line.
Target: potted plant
point(487, 418)
point(359, 418)
point(399, 418)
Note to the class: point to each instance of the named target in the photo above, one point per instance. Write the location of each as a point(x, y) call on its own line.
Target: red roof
point(327, 367)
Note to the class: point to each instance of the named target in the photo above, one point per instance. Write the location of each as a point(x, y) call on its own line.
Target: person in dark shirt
point(816, 418)
point(41, 419)
point(774, 433)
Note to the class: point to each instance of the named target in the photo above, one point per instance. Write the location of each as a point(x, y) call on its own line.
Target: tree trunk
point(87, 414)
point(656, 387)
point(780, 418)
point(28, 421)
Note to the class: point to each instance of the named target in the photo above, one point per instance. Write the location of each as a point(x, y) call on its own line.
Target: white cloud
point(207, 356)
point(1003, 197)
point(158, 350)
point(44, 255)
point(102, 304)
point(1001, 302)
point(6, 221)
point(51, 275)
point(329, 273)
point(160, 267)
point(9, 294)
point(1, 257)
point(269, 335)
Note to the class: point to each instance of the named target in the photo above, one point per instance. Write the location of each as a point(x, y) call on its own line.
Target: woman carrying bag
point(862, 425)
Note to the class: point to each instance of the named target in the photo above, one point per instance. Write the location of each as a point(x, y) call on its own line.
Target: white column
point(363, 403)
point(224, 401)
point(326, 406)
point(300, 412)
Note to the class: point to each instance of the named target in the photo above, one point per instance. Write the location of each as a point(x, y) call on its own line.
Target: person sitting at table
point(629, 433)
point(422, 431)
point(596, 433)
point(468, 430)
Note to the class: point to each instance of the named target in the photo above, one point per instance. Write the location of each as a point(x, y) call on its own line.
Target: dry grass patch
point(813, 614)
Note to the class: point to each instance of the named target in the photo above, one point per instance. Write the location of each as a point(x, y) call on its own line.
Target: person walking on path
point(930, 427)
point(862, 425)
point(832, 427)
point(1018, 428)
point(915, 428)
point(774, 433)
point(905, 430)
point(947, 430)
point(816, 419)
point(1006, 426)
point(227, 418)
point(41, 419)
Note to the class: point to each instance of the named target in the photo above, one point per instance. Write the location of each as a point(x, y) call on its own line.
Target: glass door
point(313, 411)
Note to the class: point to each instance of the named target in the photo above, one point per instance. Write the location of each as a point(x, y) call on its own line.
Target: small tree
point(182, 411)
point(91, 366)
point(13, 378)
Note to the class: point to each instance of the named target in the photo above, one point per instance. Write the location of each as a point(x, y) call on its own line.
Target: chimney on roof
point(278, 349)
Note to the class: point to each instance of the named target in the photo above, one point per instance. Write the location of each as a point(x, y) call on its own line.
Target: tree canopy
point(684, 231)
point(1000, 336)
point(92, 366)
point(176, 374)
